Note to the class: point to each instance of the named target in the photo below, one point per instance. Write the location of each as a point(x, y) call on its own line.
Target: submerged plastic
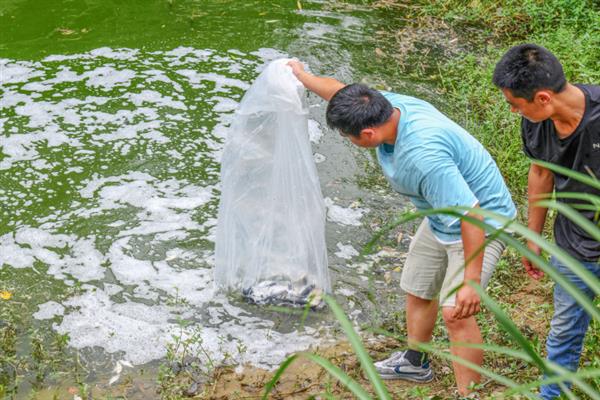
point(271, 222)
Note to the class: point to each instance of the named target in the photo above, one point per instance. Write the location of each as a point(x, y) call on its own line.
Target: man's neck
point(569, 108)
point(391, 128)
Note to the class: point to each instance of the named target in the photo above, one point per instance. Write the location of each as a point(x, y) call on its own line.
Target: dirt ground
point(304, 379)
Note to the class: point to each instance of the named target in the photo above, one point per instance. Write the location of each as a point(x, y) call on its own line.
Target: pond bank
point(441, 52)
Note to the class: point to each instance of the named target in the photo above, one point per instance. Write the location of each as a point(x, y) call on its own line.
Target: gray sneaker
point(398, 367)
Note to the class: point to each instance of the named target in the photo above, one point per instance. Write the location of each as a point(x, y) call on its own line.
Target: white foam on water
point(116, 326)
point(344, 215)
point(121, 131)
point(179, 52)
point(153, 277)
point(49, 310)
point(154, 97)
point(108, 77)
point(347, 251)
point(65, 255)
point(224, 104)
point(156, 75)
point(14, 255)
point(116, 54)
point(17, 71)
point(268, 55)
point(61, 57)
point(314, 131)
point(36, 87)
point(220, 82)
point(319, 158)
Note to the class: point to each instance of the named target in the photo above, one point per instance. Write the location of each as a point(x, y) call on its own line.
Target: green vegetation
point(31, 355)
point(518, 347)
point(569, 28)
point(365, 362)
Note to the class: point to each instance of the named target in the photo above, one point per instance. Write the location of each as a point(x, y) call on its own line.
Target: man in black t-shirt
point(560, 125)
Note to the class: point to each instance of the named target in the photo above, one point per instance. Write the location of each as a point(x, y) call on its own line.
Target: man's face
point(536, 110)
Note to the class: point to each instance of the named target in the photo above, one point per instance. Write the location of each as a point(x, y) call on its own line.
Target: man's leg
point(422, 278)
point(568, 327)
point(420, 319)
point(464, 331)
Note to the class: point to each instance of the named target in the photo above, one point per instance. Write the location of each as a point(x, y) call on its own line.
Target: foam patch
point(111, 161)
point(344, 215)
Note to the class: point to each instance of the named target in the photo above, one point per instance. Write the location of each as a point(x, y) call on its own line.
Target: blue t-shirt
point(436, 163)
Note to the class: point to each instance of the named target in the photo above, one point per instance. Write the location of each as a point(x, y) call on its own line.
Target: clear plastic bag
point(271, 222)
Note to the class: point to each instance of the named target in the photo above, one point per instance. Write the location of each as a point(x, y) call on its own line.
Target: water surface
point(113, 118)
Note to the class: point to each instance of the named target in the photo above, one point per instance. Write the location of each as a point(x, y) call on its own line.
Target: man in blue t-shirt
point(432, 160)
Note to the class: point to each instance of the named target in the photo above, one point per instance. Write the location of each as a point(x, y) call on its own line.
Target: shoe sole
point(410, 378)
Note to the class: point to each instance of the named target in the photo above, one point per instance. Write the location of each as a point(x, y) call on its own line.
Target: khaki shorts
point(433, 268)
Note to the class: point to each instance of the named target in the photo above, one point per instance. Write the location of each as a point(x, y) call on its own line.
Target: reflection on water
point(110, 174)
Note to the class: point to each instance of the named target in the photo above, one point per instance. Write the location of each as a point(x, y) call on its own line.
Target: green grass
point(569, 28)
point(518, 346)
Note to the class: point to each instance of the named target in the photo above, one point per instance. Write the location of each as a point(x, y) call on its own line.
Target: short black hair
point(356, 107)
point(527, 68)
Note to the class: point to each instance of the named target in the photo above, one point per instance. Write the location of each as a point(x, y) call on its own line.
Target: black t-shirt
point(580, 152)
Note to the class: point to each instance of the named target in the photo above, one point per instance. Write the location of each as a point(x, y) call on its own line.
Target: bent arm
point(540, 183)
point(323, 86)
point(473, 238)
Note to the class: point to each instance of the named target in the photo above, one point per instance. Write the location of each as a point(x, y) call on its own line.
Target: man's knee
point(569, 324)
point(452, 323)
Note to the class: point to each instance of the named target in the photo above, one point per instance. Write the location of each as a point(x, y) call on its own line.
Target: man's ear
point(543, 97)
point(368, 133)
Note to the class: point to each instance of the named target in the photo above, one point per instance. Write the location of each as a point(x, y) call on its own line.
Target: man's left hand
point(467, 302)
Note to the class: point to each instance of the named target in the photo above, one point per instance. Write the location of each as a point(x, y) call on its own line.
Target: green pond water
point(113, 119)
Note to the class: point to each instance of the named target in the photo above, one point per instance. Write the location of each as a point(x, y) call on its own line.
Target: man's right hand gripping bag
point(270, 241)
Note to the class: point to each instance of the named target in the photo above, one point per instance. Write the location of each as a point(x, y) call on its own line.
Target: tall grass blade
point(565, 376)
point(591, 181)
point(340, 375)
point(509, 326)
point(359, 349)
point(483, 346)
point(334, 371)
point(523, 231)
point(483, 371)
point(574, 216)
point(588, 197)
point(284, 365)
point(573, 264)
point(559, 278)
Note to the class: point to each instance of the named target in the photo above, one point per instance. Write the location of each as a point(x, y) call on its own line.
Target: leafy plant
point(524, 349)
point(345, 379)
